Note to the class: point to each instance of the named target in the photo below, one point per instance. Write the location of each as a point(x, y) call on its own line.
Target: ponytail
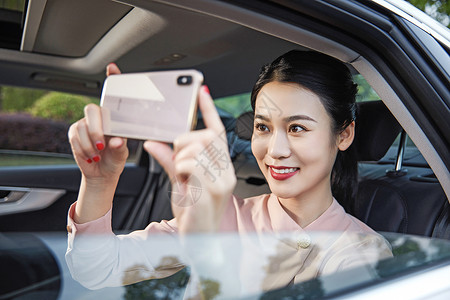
point(344, 178)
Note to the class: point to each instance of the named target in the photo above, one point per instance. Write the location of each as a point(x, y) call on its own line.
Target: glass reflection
point(225, 266)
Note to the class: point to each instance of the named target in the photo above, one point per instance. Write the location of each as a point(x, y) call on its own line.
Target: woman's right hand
point(101, 161)
point(99, 158)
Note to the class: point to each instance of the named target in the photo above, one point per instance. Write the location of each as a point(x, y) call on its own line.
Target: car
point(398, 55)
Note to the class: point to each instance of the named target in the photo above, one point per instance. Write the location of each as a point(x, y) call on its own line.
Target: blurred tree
point(60, 106)
point(209, 288)
point(437, 9)
point(365, 91)
point(18, 5)
point(14, 99)
point(234, 105)
point(172, 287)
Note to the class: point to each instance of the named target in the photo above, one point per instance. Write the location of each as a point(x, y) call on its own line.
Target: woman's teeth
point(284, 171)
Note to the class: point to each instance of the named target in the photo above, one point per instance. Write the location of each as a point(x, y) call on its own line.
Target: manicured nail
point(206, 89)
point(96, 158)
point(100, 146)
point(89, 161)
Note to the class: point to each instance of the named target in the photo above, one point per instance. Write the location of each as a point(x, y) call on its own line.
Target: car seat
point(400, 200)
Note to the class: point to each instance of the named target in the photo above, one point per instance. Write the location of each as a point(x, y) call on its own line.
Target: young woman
point(304, 125)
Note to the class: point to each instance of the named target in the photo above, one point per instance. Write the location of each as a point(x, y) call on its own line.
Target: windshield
point(215, 266)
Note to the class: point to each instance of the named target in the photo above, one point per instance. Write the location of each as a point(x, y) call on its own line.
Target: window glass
point(34, 125)
point(235, 105)
point(437, 9)
point(411, 155)
point(15, 5)
point(365, 91)
point(11, 23)
point(240, 103)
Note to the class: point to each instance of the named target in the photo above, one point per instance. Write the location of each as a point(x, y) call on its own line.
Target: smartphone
point(152, 105)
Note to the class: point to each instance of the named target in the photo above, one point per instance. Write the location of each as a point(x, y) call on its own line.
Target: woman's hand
point(200, 169)
point(99, 157)
point(101, 161)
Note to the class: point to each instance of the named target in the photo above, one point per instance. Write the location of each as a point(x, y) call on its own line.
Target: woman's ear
point(346, 137)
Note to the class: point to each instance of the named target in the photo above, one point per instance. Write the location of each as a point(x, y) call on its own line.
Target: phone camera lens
point(184, 80)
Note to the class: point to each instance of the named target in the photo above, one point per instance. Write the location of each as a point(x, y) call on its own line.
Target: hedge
point(28, 133)
point(24, 132)
point(15, 99)
point(60, 106)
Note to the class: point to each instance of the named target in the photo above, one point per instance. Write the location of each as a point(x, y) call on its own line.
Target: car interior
point(65, 45)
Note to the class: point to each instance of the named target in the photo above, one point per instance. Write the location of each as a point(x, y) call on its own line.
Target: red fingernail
point(206, 89)
point(96, 158)
point(100, 146)
point(89, 161)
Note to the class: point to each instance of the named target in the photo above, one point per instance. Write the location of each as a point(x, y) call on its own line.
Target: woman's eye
point(296, 128)
point(261, 127)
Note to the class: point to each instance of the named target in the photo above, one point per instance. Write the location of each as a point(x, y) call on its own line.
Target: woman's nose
point(279, 146)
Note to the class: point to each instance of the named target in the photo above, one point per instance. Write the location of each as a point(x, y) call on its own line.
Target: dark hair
point(331, 80)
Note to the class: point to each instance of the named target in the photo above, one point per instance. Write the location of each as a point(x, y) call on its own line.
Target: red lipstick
point(282, 173)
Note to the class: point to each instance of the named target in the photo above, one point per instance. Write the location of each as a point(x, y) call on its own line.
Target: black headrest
point(376, 129)
point(244, 126)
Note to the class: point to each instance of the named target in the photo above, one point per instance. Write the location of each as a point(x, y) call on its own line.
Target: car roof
point(66, 45)
point(67, 42)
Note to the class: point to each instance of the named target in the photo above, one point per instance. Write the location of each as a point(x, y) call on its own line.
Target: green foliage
point(15, 99)
point(238, 104)
point(365, 91)
point(235, 105)
point(13, 4)
point(209, 288)
point(437, 9)
point(60, 106)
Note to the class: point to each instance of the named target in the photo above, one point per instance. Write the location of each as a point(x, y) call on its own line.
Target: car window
point(365, 91)
point(240, 103)
point(410, 254)
point(34, 125)
point(412, 155)
point(235, 104)
point(11, 23)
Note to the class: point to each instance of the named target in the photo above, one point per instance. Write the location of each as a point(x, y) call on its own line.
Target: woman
point(304, 125)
